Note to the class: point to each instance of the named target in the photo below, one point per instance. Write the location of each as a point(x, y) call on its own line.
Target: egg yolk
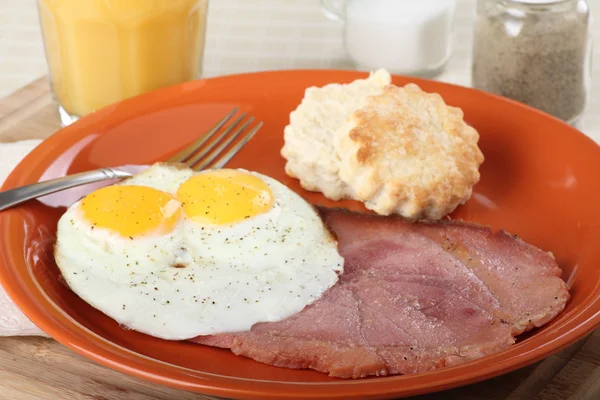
point(224, 197)
point(131, 210)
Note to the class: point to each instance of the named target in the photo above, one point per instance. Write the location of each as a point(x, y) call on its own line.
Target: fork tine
point(184, 154)
point(215, 153)
point(235, 149)
point(201, 154)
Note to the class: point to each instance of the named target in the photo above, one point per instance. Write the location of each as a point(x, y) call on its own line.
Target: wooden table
point(35, 368)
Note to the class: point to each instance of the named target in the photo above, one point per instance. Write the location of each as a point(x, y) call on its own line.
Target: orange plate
point(541, 180)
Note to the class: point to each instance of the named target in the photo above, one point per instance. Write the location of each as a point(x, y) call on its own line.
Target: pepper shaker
point(537, 52)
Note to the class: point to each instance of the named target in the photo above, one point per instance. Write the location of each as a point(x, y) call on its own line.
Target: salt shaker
point(537, 52)
point(411, 37)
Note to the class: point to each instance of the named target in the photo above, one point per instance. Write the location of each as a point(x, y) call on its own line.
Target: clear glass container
point(537, 52)
point(409, 37)
point(102, 51)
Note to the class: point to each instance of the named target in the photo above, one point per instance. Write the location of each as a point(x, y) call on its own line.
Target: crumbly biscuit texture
point(309, 149)
point(406, 152)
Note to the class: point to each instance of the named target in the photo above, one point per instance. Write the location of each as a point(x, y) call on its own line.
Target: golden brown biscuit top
point(405, 122)
point(405, 151)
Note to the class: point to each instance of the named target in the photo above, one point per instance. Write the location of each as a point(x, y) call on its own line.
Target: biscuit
point(406, 152)
point(308, 148)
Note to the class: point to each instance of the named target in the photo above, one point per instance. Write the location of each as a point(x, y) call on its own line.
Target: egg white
point(201, 279)
point(161, 176)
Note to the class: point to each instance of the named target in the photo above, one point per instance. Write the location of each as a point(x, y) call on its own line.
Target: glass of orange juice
point(103, 51)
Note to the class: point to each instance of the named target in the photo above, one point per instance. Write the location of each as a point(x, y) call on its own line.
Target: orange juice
point(103, 51)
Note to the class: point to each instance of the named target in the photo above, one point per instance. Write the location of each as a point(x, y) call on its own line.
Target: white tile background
point(251, 35)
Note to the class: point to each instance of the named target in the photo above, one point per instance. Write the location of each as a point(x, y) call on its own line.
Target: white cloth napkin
point(12, 321)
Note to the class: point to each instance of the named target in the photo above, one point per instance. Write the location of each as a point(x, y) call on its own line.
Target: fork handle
point(13, 197)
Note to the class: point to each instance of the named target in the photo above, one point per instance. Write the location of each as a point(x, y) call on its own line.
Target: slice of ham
point(413, 297)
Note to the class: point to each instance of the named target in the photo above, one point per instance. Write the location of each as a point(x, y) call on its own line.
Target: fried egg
point(176, 254)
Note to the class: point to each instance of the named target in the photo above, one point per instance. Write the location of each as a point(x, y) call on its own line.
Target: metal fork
point(199, 155)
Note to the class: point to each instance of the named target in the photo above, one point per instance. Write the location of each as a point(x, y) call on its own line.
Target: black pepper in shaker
point(537, 52)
